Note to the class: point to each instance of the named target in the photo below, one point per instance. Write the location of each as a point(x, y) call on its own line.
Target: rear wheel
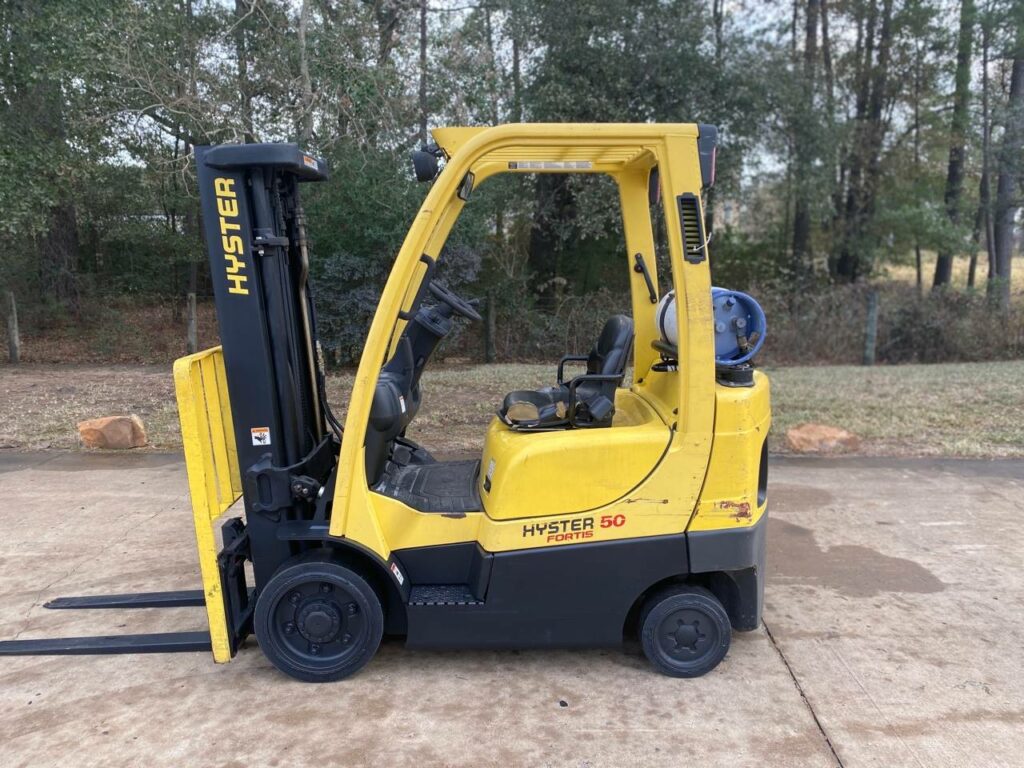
point(684, 630)
point(318, 621)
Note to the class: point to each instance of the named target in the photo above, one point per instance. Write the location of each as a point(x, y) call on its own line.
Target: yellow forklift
point(596, 510)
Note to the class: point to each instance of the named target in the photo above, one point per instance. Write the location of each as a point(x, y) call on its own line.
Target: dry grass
point(970, 409)
point(41, 404)
point(961, 264)
point(953, 409)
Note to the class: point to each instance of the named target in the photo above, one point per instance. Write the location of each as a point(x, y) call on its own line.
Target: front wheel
point(318, 621)
point(684, 630)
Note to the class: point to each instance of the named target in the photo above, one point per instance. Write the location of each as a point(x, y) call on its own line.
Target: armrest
point(600, 377)
point(569, 359)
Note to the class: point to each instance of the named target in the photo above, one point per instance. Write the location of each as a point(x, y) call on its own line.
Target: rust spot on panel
point(740, 510)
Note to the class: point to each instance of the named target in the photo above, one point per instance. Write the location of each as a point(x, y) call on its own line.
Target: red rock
point(820, 438)
point(113, 432)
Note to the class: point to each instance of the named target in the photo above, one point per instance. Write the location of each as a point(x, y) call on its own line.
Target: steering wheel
point(458, 304)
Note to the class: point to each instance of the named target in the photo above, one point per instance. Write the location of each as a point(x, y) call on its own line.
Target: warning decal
point(398, 574)
point(260, 435)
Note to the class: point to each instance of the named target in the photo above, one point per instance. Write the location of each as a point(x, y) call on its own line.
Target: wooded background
point(867, 145)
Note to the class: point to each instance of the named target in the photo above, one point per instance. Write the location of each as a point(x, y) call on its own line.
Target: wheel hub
point(319, 621)
point(687, 635)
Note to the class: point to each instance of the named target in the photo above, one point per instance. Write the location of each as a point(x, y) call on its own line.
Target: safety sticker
point(398, 574)
point(260, 435)
point(490, 469)
point(401, 402)
point(310, 162)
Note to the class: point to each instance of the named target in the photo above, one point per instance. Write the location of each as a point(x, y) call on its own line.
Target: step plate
point(442, 594)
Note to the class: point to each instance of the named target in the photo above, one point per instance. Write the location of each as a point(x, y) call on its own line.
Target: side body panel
point(562, 597)
point(534, 474)
point(734, 496)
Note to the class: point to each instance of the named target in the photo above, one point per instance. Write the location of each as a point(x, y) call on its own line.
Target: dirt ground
point(908, 410)
point(891, 638)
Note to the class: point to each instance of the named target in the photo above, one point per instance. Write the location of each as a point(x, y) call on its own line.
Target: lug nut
point(353, 609)
point(346, 638)
point(294, 598)
point(325, 588)
point(289, 628)
point(314, 649)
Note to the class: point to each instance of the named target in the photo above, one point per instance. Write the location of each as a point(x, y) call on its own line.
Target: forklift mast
point(256, 240)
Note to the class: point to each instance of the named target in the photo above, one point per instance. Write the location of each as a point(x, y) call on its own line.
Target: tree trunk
point(191, 327)
point(918, 48)
point(13, 338)
point(919, 274)
point(826, 59)
point(982, 217)
point(423, 72)
point(59, 252)
point(388, 15)
point(957, 141)
point(306, 83)
point(865, 170)
point(805, 150)
point(1008, 184)
point(517, 79)
point(985, 191)
point(552, 213)
point(836, 152)
point(242, 64)
point(979, 223)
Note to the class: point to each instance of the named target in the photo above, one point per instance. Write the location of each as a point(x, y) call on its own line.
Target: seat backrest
point(611, 353)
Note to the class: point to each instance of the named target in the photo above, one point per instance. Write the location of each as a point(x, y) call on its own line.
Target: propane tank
point(739, 325)
point(665, 316)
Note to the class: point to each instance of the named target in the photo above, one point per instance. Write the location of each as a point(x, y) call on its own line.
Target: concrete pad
point(881, 604)
point(895, 595)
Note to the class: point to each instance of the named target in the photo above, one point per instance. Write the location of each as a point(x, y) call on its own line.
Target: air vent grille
point(694, 250)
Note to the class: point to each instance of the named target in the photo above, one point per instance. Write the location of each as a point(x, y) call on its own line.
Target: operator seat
point(585, 401)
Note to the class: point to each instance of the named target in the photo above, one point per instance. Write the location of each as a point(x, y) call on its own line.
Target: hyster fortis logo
point(231, 242)
point(572, 530)
point(562, 530)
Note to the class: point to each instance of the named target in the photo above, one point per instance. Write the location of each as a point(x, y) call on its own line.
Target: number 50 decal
point(613, 521)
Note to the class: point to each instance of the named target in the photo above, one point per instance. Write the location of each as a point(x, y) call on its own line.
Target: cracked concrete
point(894, 603)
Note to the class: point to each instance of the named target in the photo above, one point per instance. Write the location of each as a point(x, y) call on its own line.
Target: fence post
point(871, 329)
point(490, 355)
point(192, 335)
point(13, 339)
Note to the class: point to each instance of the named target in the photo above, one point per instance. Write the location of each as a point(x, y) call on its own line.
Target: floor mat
point(447, 487)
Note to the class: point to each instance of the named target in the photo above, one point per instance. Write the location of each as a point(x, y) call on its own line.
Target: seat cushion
point(541, 408)
point(549, 408)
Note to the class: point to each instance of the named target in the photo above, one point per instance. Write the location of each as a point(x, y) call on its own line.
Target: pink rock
point(113, 432)
point(820, 438)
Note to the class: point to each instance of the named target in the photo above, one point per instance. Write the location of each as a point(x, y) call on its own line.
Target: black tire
point(684, 630)
point(318, 621)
